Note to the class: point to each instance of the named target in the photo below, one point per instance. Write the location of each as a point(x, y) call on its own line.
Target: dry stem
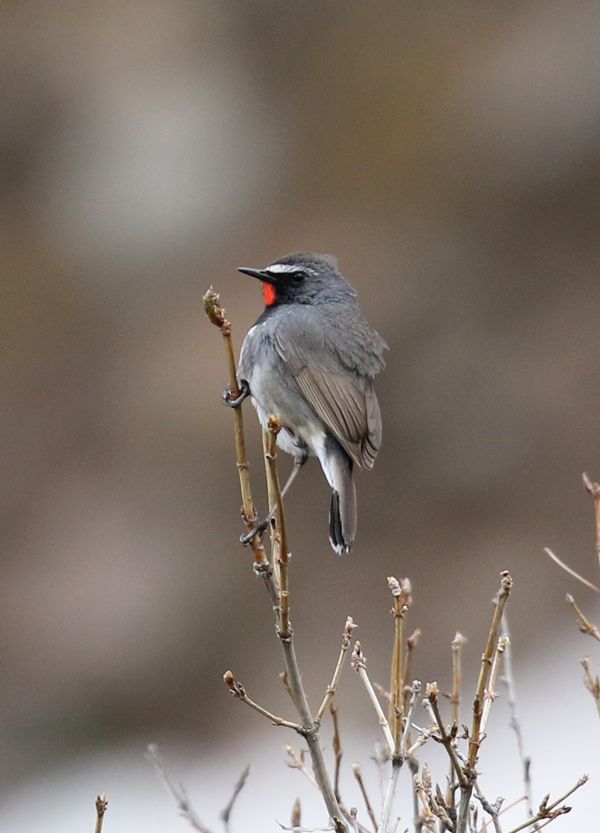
point(101, 805)
point(570, 570)
point(359, 663)
point(332, 687)
point(239, 785)
point(356, 771)
point(238, 691)
point(216, 315)
point(431, 703)
point(177, 791)
point(337, 751)
point(514, 723)
point(401, 592)
point(551, 811)
point(490, 691)
point(585, 626)
point(274, 427)
point(594, 491)
point(592, 684)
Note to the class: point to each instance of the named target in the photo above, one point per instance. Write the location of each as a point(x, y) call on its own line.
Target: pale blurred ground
point(449, 154)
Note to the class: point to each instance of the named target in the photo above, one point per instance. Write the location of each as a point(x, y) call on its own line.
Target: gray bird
point(310, 358)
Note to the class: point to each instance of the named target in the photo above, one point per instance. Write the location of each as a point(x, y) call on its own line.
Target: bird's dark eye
point(297, 277)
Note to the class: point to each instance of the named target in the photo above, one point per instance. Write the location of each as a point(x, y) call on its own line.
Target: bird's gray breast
point(275, 392)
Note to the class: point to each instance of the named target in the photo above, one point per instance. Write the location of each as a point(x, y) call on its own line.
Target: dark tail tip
point(336, 533)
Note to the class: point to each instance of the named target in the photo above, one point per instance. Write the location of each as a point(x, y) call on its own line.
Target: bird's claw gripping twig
point(236, 401)
point(258, 530)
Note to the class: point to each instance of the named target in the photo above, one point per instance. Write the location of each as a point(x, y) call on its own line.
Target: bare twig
point(359, 663)
point(337, 750)
point(411, 643)
point(490, 693)
point(239, 785)
point(390, 792)
point(431, 703)
point(457, 648)
point(484, 673)
point(101, 805)
point(585, 626)
point(551, 811)
point(332, 687)
point(216, 315)
point(570, 570)
point(493, 810)
point(238, 691)
point(591, 683)
point(505, 809)
point(470, 769)
point(356, 771)
point(514, 722)
point(401, 592)
point(594, 491)
point(274, 427)
point(415, 690)
point(297, 762)
point(177, 790)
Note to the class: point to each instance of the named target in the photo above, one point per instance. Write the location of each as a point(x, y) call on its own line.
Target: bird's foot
point(258, 530)
point(235, 402)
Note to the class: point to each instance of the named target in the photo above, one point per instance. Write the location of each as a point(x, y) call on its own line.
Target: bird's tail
point(342, 513)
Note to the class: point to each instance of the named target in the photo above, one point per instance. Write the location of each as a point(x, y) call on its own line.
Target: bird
point(310, 359)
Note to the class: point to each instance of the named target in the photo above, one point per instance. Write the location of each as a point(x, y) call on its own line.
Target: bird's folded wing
point(345, 401)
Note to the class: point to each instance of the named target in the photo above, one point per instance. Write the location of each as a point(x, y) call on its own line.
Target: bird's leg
point(260, 527)
point(237, 401)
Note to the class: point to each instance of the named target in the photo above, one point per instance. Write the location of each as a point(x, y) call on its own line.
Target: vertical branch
point(470, 769)
point(401, 592)
point(484, 673)
point(594, 490)
point(514, 722)
point(273, 428)
point(216, 315)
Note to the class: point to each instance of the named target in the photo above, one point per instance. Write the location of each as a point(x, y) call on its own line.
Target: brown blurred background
point(449, 155)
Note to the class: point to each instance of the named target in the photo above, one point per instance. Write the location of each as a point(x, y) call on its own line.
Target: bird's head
point(302, 278)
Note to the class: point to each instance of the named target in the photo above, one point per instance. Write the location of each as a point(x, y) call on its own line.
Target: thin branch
point(238, 691)
point(571, 571)
point(505, 809)
point(490, 693)
point(101, 805)
point(359, 663)
point(506, 583)
point(411, 643)
point(177, 790)
point(514, 722)
point(585, 626)
point(216, 315)
point(297, 762)
point(389, 796)
point(401, 592)
point(431, 703)
point(337, 751)
point(415, 690)
point(356, 771)
point(592, 684)
point(239, 785)
point(493, 810)
point(551, 811)
point(274, 427)
point(332, 687)
point(594, 491)
point(470, 770)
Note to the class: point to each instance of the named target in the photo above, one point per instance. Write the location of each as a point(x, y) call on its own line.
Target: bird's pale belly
point(303, 432)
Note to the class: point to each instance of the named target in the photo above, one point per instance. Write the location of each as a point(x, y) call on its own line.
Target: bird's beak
point(258, 273)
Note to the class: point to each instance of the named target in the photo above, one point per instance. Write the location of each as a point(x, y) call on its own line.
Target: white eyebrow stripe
point(281, 267)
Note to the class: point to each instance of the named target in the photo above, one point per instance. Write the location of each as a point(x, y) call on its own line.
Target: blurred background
point(449, 155)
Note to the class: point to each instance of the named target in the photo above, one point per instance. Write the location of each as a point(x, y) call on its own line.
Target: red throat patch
point(269, 293)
